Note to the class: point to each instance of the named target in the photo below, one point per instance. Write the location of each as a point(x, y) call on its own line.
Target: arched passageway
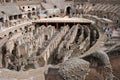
point(68, 10)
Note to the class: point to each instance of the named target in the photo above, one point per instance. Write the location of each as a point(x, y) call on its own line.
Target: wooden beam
point(57, 26)
point(46, 24)
point(64, 24)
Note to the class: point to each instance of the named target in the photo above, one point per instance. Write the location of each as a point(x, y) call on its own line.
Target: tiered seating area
point(105, 1)
point(50, 4)
point(103, 10)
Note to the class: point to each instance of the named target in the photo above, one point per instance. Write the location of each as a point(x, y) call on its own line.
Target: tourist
point(104, 28)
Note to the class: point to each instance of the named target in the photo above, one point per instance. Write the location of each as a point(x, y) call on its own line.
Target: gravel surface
point(33, 74)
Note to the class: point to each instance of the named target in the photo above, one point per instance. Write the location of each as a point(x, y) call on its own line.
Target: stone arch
point(20, 29)
point(0, 38)
point(20, 16)
point(15, 17)
point(54, 15)
point(68, 10)
point(46, 37)
point(30, 29)
point(33, 13)
point(23, 7)
point(33, 9)
point(29, 15)
point(26, 28)
point(15, 31)
point(50, 16)
point(5, 35)
point(10, 34)
point(10, 17)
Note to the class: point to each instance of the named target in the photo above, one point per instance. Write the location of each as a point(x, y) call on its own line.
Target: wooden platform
point(64, 20)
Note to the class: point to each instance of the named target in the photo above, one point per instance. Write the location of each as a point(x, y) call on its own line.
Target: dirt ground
point(115, 62)
point(33, 74)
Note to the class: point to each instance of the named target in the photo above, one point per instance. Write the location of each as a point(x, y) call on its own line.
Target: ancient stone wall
point(72, 36)
point(86, 43)
point(25, 45)
point(53, 44)
point(67, 43)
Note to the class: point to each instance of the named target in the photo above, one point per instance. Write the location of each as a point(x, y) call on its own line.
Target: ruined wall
point(86, 43)
point(22, 47)
point(53, 44)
